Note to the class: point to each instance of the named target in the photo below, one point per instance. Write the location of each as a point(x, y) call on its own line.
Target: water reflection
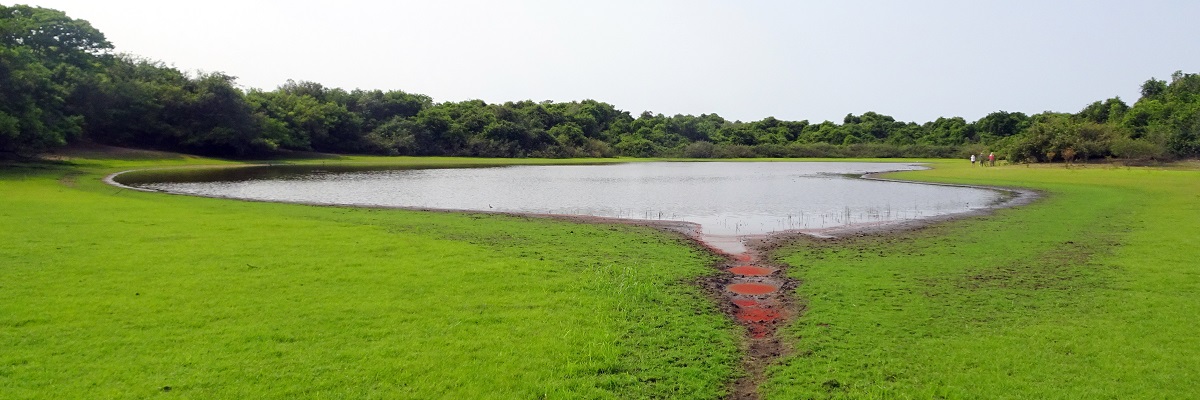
point(725, 198)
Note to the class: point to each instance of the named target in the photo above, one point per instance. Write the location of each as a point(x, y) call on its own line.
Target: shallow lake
point(725, 198)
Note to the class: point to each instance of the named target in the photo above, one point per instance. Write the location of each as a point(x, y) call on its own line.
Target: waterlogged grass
point(109, 293)
point(1092, 292)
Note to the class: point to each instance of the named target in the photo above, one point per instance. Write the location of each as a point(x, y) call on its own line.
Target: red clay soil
point(755, 293)
point(752, 288)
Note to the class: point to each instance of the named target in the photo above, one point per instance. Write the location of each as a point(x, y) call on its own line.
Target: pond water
point(724, 198)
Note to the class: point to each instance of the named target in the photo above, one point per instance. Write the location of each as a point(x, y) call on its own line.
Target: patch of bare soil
point(755, 292)
point(101, 151)
point(69, 179)
point(92, 150)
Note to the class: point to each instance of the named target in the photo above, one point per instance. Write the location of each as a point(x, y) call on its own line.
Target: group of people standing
point(989, 161)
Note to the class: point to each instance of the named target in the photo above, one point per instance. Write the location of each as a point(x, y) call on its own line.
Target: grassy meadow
point(119, 294)
point(1092, 292)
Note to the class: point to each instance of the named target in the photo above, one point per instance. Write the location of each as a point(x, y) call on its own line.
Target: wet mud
point(755, 292)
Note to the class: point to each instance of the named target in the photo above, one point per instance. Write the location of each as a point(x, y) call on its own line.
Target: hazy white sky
point(817, 60)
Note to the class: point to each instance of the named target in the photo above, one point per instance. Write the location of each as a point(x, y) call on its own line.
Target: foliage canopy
point(59, 83)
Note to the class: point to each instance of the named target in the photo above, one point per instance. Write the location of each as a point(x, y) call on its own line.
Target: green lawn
point(1091, 293)
point(116, 294)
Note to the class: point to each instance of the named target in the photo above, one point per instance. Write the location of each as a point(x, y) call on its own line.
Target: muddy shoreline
point(750, 287)
point(763, 350)
point(767, 312)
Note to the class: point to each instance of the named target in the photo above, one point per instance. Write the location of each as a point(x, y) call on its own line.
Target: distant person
point(972, 160)
point(992, 159)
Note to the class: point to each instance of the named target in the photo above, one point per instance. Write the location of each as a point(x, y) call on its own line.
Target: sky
point(745, 60)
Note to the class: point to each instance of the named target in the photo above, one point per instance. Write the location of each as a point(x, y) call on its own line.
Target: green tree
point(947, 131)
point(217, 119)
point(376, 107)
point(824, 132)
point(32, 105)
point(633, 145)
point(135, 102)
point(1039, 142)
point(1111, 110)
point(1001, 124)
point(1153, 89)
point(52, 35)
point(44, 55)
point(568, 134)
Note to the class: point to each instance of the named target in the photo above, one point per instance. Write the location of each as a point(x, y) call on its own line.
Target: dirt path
point(755, 293)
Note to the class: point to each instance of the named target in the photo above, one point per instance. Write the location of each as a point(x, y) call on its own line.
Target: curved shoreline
point(1017, 197)
point(761, 314)
point(762, 351)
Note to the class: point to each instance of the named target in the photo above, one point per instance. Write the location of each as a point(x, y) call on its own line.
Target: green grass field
point(118, 294)
point(1090, 293)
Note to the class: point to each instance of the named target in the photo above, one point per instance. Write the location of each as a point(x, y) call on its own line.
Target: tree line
point(61, 82)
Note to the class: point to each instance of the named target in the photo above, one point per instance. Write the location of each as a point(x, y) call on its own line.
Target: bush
point(1141, 150)
point(814, 150)
point(700, 149)
point(597, 148)
point(734, 151)
point(932, 151)
point(873, 150)
point(771, 150)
